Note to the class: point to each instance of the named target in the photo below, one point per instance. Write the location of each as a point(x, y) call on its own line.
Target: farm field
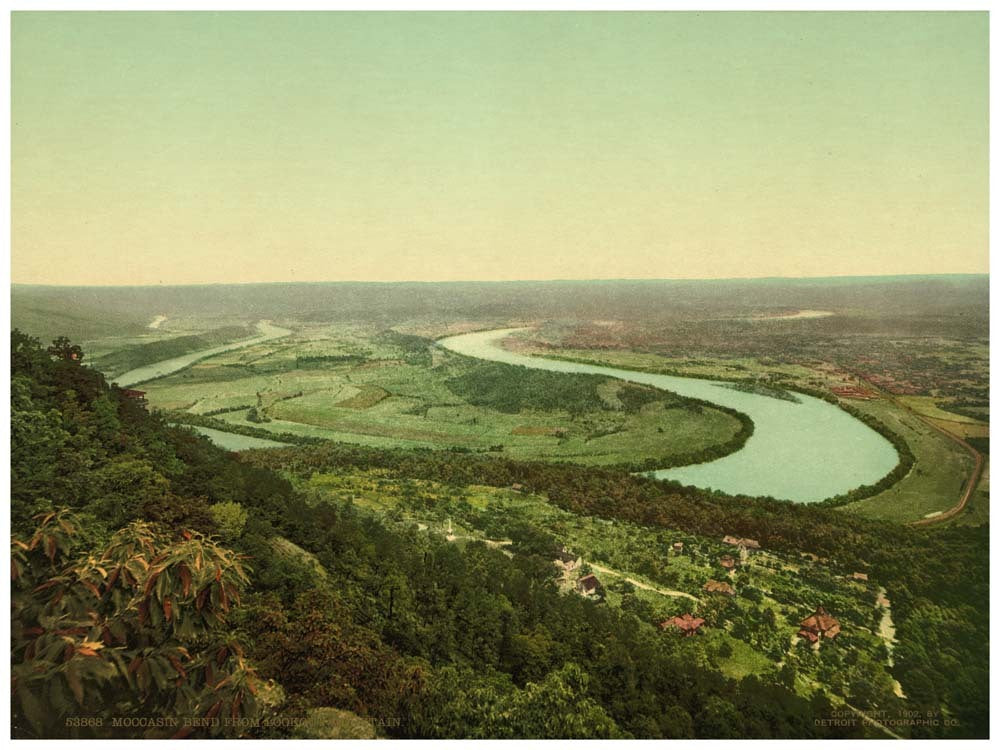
point(233, 442)
point(346, 383)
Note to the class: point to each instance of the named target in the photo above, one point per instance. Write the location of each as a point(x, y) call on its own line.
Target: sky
point(175, 148)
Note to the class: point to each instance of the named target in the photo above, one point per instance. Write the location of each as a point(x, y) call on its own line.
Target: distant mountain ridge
point(86, 310)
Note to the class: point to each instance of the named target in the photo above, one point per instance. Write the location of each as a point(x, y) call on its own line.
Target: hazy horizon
point(845, 277)
point(179, 148)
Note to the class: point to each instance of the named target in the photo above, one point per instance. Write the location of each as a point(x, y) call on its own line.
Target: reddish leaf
point(210, 714)
point(176, 663)
point(91, 588)
point(151, 581)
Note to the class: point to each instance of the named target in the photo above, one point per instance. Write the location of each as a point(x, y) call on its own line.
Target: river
point(169, 366)
point(805, 452)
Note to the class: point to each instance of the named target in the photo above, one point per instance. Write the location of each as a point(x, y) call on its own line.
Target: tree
point(231, 518)
point(559, 707)
point(63, 348)
point(123, 486)
point(134, 629)
point(37, 443)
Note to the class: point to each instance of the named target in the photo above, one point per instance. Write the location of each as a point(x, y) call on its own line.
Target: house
point(719, 587)
point(858, 576)
point(588, 585)
point(137, 396)
point(727, 562)
point(819, 625)
point(566, 560)
point(516, 487)
point(687, 624)
point(678, 547)
point(741, 542)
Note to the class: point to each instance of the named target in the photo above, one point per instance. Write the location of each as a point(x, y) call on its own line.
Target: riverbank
point(157, 370)
point(804, 452)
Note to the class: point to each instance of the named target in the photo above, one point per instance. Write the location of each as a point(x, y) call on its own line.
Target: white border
point(452, 5)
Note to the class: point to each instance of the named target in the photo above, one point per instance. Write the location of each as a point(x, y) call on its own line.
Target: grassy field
point(358, 385)
point(233, 442)
point(977, 510)
point(936, 480)
point(929, 406)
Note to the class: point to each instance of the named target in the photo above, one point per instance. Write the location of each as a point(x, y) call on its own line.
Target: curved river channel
point(805, 451)
point(166, 367)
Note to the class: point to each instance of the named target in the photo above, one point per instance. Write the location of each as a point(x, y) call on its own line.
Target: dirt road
point(640, 584)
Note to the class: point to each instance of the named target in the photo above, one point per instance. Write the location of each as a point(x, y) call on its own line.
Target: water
point(169, 366)
point(805, 451)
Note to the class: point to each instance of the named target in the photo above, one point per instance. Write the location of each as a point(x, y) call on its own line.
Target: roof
point(859, 576)
point(684, 622)
point(727, 561)
point(133, 393)
point(589, 582)
point(821, 622)
point(719, 587)
point(741, 541)
point(809, 635)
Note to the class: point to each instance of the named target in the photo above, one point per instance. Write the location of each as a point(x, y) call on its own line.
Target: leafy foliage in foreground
point(137, 630)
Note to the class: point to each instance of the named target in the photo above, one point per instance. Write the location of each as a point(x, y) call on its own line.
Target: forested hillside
point(158, 579)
